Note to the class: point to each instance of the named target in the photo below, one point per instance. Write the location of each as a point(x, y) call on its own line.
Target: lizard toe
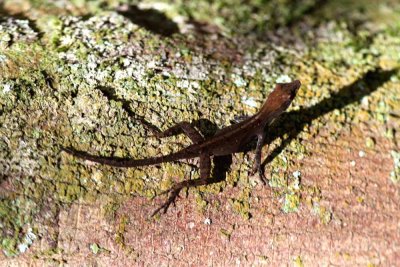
point(262, 177)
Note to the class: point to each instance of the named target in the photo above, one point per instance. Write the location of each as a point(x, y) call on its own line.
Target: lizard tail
point(125, 162)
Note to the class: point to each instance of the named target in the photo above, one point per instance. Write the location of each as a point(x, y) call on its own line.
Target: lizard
point(226, 141)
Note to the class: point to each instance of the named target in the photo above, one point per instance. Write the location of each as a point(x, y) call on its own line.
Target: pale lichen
point(16, 30)
point(395, 174)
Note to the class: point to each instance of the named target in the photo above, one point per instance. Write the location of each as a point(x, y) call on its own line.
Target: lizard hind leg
point(205, 169)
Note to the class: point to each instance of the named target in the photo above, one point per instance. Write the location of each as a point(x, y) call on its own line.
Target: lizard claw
point(262, 177)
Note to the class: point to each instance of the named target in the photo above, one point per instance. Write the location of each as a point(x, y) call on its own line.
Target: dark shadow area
point(311, 10)
point(202, 27)
point(111, 95)
point(3, 11)
point(151, 19)
point(221, 168)
point(293, 122)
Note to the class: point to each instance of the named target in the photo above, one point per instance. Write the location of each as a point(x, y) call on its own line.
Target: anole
point(226, 141)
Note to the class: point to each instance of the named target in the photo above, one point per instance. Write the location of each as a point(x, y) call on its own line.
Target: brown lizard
point(226, 141)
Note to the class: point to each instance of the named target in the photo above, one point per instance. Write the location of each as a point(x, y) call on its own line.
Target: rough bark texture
point(88, 73)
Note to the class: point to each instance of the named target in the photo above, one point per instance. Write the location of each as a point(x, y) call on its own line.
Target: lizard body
point(226, 141)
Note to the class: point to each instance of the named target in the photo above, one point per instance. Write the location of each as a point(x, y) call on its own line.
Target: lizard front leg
point(257, 159)
point(205, 170)
point(179, 128)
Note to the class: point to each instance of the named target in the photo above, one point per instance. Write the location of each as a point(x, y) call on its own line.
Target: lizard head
point(284, 93)
point(289, 89)
point(279, 99)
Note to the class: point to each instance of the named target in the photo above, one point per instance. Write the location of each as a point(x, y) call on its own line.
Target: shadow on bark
point(150, 19)
point(293, 122)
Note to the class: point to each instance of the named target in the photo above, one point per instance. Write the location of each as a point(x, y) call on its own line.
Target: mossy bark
point(81, 73)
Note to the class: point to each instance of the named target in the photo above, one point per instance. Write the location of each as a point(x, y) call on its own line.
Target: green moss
point(52, 28)
point(15, 225)
point(370, 142)
point(298, 262)
point(241, 205)
point(324, 215)
point(94, 248)
point(291, 203)
point(110, 208)
point(277, 180)
point(201, 202)
point(313, 198)
point(225, 233)
point(120, 234)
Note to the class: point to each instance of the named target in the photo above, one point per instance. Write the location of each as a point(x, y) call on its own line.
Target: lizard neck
point(266, 114)
point(273, 107)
